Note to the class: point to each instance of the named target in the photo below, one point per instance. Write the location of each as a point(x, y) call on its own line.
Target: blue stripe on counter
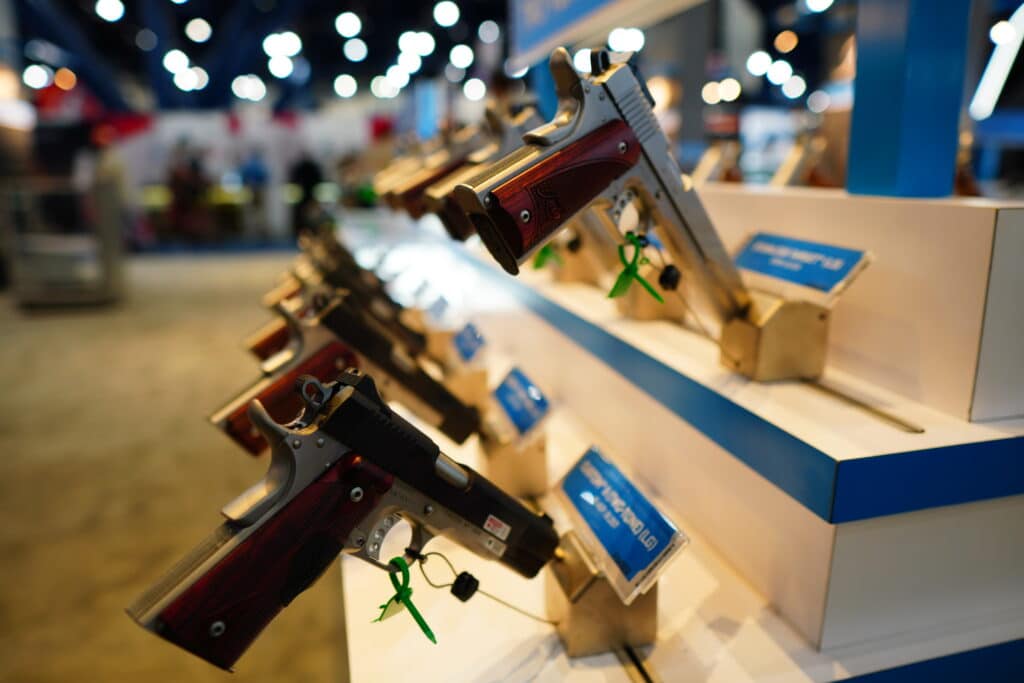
point(799, 469)
point(835, 491)
point(915, 480)
point(1002, 663)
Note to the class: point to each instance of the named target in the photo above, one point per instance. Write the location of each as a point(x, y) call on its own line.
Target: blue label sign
point(438, 308)
point(533, 22)
point(820, 266)
point(628, 526)
point(522, 401)
point(468, 341)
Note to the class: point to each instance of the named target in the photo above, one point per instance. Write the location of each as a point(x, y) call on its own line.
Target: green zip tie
point(544, 255)
point(403, 599)
point(631, 271)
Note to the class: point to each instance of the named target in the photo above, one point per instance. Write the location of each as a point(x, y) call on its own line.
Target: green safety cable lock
point(544, 255)
point(631, 270)
point(403, 599)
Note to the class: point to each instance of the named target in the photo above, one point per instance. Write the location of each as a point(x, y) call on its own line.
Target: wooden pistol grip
point(219, 616)
point(525, 211)
point(270, 339)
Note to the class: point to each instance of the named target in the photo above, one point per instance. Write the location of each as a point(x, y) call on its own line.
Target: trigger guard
point(420, 537)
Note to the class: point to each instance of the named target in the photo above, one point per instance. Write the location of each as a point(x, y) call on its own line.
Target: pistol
point(603, 147)
point(333, 332)
point(406, 161)
point(408, 192)
point(341, 475)
point(507, 129)
point(330, 263)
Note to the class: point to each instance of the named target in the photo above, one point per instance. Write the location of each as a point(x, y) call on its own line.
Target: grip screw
point(355, 495)
point(217, 629)
point(623, 147)
point(428, 508)
point(524, 216)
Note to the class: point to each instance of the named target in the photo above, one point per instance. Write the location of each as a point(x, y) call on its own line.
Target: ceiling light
point(345, 86)
point(424, 44)
point(818, 101)
point(779, 72)
point(758, 63)
point(729, 90)
point(291, 44)
point(397, 77)
point(348, 24)
point(198, 30)
point(626, 39)
point(272, 45)
point(37, 76)
point(489, 32)
point(355, 50)
point(65, 78)
point(794, 87)
point(461, 56)
point(446, 13)
point(185, 80)
point(175, 61)
point(581, 60)
point(410, 61)
point(786, 41)
point(408, 41)
point(818, 5)
point(382, 88)
point(249, 87)
point(109, 10)
point(1002, 32)
point(202, 78)
point(280, 66)
point(474, 89)
point(709, 93)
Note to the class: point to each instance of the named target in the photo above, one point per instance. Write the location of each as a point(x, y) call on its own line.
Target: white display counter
point(861, 547)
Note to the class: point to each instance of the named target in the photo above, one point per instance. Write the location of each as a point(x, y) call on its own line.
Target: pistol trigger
point(420, 538)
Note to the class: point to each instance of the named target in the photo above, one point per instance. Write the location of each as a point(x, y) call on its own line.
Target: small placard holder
point(514, 438)
point(601, 589)
point(590, 616)
point(458, 352)
point(793, 286)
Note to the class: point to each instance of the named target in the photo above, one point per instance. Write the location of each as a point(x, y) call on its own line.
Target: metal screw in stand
point(355, 495)
point(428, 508)
point(296, 443)
point(524, 215)
point(622, 148)
point(217, 629)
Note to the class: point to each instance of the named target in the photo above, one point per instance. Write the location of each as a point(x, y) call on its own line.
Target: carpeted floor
point(109, 473)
